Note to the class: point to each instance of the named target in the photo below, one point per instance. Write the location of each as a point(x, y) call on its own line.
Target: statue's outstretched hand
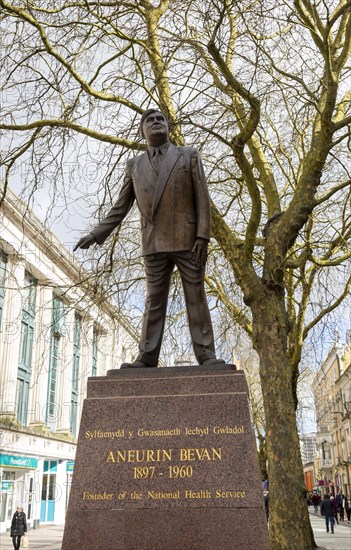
point(85, 241)
point(200, 251)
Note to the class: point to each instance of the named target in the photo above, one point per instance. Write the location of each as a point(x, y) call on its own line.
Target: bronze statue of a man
point(169, 186)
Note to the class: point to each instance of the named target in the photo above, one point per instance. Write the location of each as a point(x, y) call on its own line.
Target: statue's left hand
point(200, 251)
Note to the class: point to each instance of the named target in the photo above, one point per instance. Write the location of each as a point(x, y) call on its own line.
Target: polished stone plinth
point(166, 460)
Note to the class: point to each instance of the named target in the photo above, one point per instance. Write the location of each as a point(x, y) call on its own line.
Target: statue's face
point(155, 128)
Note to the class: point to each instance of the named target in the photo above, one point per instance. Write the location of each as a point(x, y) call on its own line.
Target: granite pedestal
point(166, 460)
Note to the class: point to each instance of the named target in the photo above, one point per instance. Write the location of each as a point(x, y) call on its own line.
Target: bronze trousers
point(159, 268)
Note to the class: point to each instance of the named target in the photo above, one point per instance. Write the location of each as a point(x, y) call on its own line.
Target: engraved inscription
point(165, 473)
point(200, 431)
point(97, 496)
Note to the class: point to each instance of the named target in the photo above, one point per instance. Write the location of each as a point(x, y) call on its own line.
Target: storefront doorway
point(48, 492)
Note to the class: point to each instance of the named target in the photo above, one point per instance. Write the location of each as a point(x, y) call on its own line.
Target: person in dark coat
point(18, 527)
point(327, 510)
point(341, 507)
point(315, 501)
point(335, 508)
point(266, 504)
point(348, 508)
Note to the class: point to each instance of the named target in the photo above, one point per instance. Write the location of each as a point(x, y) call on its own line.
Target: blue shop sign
point(69, 466)
point(18, 462)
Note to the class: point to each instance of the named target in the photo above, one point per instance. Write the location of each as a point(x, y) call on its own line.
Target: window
point(57, 331)
point(94, 353)
point(53, 379)
point(26, 348)
point(75, 373)
point(3, 262)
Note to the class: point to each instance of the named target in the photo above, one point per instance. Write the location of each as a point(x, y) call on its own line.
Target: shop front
point(18, 475)
point(40, 485)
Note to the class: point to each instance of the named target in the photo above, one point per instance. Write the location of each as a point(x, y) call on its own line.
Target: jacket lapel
point(169, 162)
point(148, 174)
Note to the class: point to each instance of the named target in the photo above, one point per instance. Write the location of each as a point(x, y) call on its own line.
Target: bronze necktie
point(157, 160)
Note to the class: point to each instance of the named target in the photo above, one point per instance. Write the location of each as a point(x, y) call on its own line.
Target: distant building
point(54, 333)
point(332, 394)
point(308, 447)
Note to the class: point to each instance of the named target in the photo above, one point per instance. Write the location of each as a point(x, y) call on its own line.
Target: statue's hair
point(146, 114)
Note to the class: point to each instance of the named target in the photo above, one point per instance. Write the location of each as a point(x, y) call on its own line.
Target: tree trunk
point(288, 512)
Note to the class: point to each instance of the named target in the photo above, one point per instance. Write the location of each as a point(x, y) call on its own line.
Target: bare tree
point(262, 88)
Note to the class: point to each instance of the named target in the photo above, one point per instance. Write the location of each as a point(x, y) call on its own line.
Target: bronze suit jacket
point(174, 207)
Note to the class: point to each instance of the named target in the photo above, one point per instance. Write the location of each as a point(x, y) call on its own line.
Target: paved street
point(44, 538)
point(49, 538)
point(341, 540)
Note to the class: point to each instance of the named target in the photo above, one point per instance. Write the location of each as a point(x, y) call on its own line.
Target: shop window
point(44, 487)
point(7, 492)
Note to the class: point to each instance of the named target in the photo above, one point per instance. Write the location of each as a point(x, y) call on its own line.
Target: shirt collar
point(163, 148)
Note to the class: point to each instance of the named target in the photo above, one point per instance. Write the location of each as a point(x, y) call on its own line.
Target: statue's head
point(154, 126)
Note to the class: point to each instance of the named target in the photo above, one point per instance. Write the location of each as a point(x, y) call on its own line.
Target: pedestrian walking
point(348, 508)
point(339, 497)
point(266, 504)
point(328, 510)
point(315, 501)
point(335, 508)
point(18, 527)
point(342, 508)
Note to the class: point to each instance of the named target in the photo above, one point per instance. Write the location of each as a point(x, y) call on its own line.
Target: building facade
point(308, 446)
point(332, 394)
point(308, 449)
point(54, 334)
